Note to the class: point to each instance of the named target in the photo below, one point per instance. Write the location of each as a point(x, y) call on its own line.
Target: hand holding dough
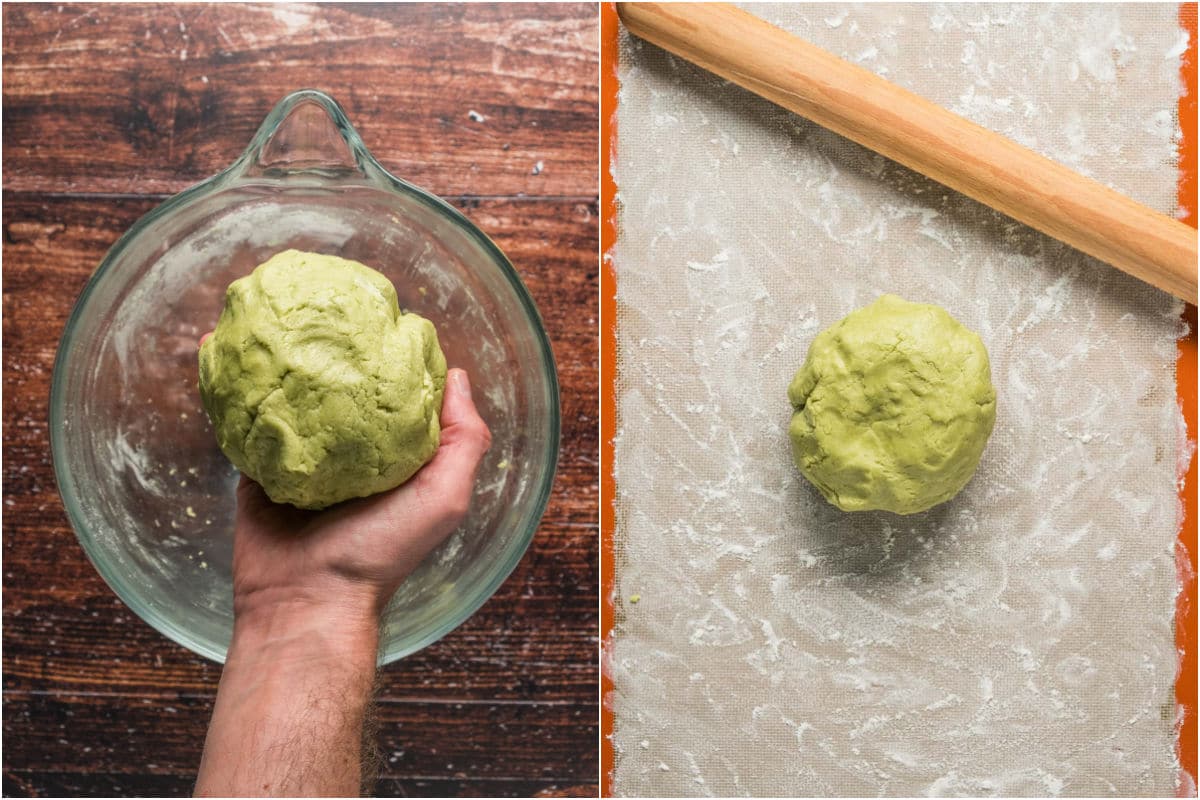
point(893, 407)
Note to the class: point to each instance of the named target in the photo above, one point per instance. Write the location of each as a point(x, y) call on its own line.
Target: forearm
point(291, 704)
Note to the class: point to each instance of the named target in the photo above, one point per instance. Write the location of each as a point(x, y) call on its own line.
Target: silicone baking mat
point(1019, 640)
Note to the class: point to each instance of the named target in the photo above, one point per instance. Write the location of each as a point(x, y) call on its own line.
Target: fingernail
point(462, 384)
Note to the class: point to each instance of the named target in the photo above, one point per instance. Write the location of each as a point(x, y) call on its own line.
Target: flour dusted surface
point(1018, 640)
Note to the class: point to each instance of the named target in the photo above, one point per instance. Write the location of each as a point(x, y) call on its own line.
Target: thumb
point(449, 478)
point(460, 418)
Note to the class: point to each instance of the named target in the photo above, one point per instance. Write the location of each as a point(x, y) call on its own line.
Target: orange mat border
point(609, 86)
point(1185, 382)
point(1186, 616)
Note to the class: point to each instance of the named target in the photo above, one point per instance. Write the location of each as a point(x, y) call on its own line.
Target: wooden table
point(107, 111)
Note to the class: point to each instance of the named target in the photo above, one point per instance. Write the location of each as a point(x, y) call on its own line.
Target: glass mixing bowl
point(148, 492)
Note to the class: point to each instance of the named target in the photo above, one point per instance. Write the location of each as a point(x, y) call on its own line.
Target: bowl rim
point(238, 175)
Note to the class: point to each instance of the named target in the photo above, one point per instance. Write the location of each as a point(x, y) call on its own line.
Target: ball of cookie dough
point(318, 386)
point(893, 407)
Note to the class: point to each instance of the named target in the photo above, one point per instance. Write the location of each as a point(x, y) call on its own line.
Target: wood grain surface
point(108, 110)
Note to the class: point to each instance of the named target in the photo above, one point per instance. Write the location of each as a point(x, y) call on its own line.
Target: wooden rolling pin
point(922, 136)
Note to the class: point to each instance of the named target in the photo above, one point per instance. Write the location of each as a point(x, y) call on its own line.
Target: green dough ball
point(319, 388)
point(893, 407)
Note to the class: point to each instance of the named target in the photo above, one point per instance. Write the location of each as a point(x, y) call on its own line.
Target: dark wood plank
point(419, 741)
point(28, 783)
point(535, 640)
point(186, 86)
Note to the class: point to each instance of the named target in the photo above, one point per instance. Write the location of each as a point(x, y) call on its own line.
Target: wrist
point(289, 626)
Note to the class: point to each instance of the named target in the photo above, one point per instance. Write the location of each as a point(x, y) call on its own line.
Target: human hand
point(308, 588)
point(350, 558)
